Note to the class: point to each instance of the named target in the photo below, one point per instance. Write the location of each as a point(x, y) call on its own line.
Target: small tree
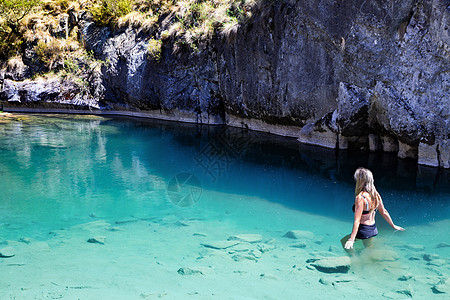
point(13, 11)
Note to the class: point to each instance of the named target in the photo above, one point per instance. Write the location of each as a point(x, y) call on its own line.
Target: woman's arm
point(356, 222)
point(385, 214)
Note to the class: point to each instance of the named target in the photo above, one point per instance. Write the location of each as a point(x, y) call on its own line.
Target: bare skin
point(368, 219)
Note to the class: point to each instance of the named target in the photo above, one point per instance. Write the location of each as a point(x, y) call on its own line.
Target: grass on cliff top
point(35, 23)
point(52, 49)
point(188, 22)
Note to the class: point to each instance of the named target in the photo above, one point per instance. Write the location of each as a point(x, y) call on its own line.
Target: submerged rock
point(194, 271)
point(113, 228)
point(443, 286)
point(241, 247)
point(244, 257)
point(408, 292)
point(220, 244)
point(414, 258)
point(413, 247)
point(268, 276)
point(333, 264)
point(181, 223)
point(299, 234)
point(390, 295)
point(25, 240)
point(249, 238)
point(437, 262)
point(188, 271)
point(430, 257)
point(199, 234)
point(442, 245)
point(405, 277)
point(264, 247)
point(97, 240)
point(7, 252)
point(324, 281)
point(120, 222)
point(92, 226)
point(298, 245)
point(256, 253)
point(383, 255)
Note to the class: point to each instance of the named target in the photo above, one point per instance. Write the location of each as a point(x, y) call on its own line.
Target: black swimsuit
point(366, 231)
point(365, 212)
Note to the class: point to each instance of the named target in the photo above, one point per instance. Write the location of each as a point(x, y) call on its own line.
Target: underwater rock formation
point(333, 264)
point(368, 75)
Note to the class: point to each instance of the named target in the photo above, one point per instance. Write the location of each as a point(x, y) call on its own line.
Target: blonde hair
point(365, 183)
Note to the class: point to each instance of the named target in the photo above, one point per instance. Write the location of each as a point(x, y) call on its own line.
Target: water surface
point(154, 193)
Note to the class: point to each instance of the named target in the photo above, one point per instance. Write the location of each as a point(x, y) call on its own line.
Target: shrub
point(70, 66)
point(154, 49)
point(107, 12)
point(48, 53)
point(10, 44)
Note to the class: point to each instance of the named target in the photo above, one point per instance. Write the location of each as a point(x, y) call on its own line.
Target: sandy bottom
point(232, 247)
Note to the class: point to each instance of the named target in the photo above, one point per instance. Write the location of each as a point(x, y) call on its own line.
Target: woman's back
point(368, 214)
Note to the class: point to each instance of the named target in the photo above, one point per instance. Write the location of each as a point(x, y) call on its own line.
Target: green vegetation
point(36, 25)
point(70, 66)
point(197, 20)
point(190, 22)
point(154, 49)
point(48, 53)
point(107, 12)
point(12, 12)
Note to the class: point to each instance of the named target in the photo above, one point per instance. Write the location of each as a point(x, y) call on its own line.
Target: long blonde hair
point(365, 183)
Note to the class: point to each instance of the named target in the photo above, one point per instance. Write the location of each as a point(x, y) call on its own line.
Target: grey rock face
point(62, 28)
point(45, 92)
point(16, 69)
point(355, 74)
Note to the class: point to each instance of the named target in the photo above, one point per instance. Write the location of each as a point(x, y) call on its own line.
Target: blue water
point(59, 171)
point(73, 168)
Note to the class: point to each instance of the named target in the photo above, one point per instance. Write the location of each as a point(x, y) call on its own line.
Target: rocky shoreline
point(364, 76)
point(427, 155)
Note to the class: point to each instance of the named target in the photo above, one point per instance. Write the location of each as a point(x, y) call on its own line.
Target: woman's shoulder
point(362, 195)
point(359, 198)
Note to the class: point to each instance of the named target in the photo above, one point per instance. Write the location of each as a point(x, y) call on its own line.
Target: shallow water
point(156, 195)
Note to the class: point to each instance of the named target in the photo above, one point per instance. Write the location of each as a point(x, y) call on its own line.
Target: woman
point(367, 202)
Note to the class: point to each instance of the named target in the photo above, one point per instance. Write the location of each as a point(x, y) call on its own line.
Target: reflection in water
point(56, 161)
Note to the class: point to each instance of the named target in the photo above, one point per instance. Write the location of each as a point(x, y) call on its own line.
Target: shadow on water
point(389, 171)
point(308, 178)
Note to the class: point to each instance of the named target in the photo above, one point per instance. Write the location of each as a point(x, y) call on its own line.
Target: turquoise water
point(155, 193)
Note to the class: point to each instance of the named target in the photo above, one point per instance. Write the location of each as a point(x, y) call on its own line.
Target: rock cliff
point(371, 75)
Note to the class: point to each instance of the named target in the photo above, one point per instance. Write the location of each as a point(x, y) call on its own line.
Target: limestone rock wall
point(359, 74)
